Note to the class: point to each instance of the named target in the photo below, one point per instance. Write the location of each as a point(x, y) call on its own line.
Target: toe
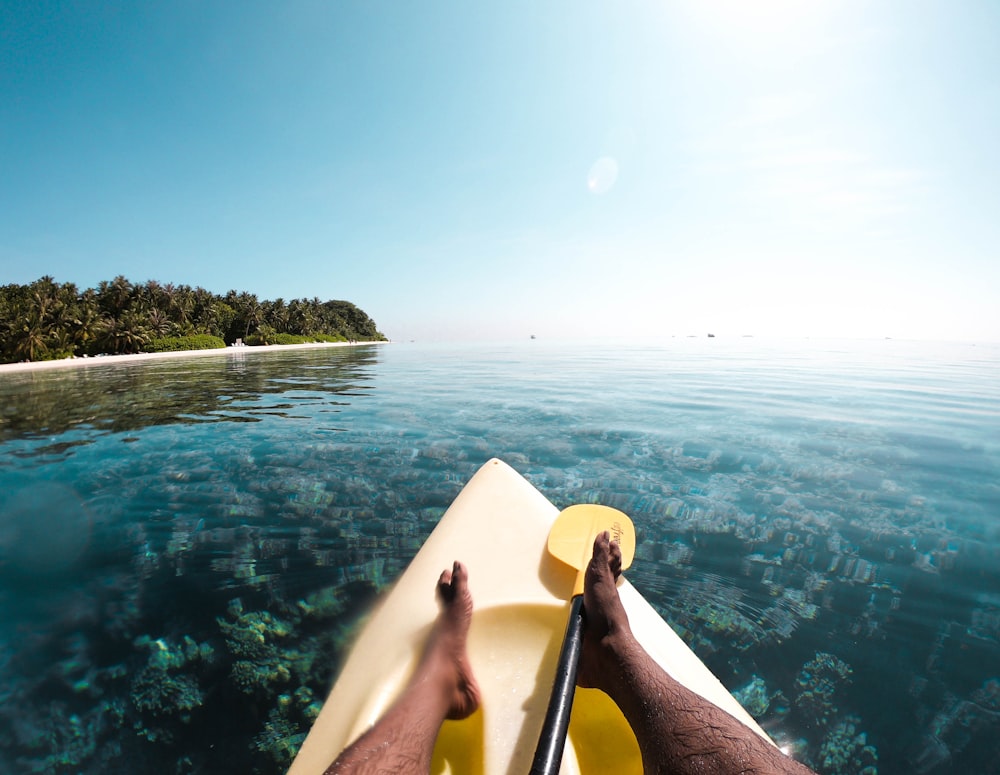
point(444, 585)
point(459, 577)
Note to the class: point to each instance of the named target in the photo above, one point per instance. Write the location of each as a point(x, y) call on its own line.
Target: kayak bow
point(498, 527)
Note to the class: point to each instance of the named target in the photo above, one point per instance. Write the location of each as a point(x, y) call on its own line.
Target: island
point(46, 320)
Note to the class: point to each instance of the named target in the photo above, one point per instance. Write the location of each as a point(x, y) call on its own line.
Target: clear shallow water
point(187, 546)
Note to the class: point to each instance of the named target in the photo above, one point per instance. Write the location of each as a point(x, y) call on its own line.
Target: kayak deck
point(498, 526)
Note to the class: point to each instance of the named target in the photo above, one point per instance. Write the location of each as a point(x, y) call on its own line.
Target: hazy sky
point(493, 170)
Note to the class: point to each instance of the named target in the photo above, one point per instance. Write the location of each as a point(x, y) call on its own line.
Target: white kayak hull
point(498, 527)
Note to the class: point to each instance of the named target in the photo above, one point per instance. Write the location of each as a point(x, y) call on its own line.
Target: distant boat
point(711, 336)
point(532, 336)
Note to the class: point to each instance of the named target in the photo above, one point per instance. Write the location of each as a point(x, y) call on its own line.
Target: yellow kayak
point(498, 526)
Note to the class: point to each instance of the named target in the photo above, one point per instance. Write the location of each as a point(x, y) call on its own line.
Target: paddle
point(571, 540)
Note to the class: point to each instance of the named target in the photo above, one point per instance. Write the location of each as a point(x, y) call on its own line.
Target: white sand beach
point(104, 360)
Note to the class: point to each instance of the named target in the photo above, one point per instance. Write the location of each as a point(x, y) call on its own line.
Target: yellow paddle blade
point(571, 538)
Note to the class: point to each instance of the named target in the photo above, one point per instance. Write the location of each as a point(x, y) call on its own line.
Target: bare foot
point(605, 621)
point(446, 657)
point(442, 687)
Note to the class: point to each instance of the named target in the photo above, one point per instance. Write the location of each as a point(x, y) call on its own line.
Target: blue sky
point(493, 170)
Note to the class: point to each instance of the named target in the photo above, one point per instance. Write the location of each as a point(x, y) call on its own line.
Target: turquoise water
point(187, 546)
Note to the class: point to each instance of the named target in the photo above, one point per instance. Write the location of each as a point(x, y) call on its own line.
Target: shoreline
point(68, 363)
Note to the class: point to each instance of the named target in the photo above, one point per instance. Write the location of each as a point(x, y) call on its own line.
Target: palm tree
point(182, 308)
point(276, 315)
point(31, 344)
point(35, 315)
point(60, 321)
point(301, 318)
point(223, 315)
point(115, 296)
point(135, 333)
point(59, 343)
point(30, 340)
point(86, 323)
point(43, 295)
point(250, 310)
point(203, 314)
point(159, 323)
point(127, 334)
point(150, 295)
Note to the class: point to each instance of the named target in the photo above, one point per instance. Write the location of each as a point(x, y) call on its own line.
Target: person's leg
point(443, 686)
point(678, 731)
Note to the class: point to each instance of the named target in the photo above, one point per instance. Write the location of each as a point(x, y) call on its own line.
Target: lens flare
point(602, 176)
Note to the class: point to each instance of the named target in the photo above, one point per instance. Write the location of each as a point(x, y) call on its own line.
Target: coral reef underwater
point(84, 702)
point(209, 682)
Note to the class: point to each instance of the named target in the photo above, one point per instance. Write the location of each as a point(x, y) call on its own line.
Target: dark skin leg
point(678, 731)
point(443, 686)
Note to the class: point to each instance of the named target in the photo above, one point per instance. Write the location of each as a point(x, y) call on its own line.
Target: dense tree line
point(45, 320)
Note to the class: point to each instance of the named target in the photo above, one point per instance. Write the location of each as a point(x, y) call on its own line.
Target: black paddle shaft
point(552, 740)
